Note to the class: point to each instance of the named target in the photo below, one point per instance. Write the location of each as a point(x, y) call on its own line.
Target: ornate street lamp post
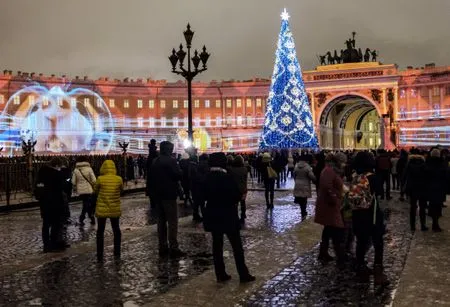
point(188, 74)
point(28, 151)
point(124, 147)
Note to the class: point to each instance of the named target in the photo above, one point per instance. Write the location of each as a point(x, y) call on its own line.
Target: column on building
point(384, 100)
point(233, 104)
point(254, 110)
point(244, 116)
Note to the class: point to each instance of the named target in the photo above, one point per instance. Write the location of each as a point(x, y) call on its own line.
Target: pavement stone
point(306, 282)
point(280, 248)
point(74, 278)
point(426, 278)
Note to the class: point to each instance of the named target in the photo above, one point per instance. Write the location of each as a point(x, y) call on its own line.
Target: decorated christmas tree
point(288, 122)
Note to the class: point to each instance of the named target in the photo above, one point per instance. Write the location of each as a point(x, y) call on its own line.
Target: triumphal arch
point(353, 98)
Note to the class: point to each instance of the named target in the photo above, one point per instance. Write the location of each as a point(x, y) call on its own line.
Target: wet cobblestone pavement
point(281, 250)
point(307, 282)
point(77, 279)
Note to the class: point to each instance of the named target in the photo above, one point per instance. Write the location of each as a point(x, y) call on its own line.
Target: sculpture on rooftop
point(349, 55)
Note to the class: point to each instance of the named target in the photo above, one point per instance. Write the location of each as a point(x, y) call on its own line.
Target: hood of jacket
point(301, 164)
point(417, 158)
point(82, 164)
point(108, 168)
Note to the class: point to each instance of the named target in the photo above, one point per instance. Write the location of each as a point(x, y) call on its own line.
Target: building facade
point(354, 105)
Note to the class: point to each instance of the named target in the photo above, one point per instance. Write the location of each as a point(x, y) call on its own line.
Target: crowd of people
point(349, 187)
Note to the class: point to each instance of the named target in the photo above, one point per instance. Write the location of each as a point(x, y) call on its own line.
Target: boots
point(380, 279)
point(243, 210)
point(303, 210)
point(324, 257)
point(423, 220)
point(363, 273)
point(436, 227)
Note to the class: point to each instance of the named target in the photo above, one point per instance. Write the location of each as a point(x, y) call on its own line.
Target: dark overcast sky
point(133, 38)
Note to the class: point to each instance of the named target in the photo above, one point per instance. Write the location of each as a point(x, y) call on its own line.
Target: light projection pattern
point(288, 121)
point(425, 136)
point(59, 120)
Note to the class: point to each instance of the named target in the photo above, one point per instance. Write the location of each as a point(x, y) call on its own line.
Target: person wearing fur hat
point(268, 178)
point(221, 217)
point(436, 181)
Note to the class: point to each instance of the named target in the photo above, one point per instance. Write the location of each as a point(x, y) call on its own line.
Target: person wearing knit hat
point(221, 217)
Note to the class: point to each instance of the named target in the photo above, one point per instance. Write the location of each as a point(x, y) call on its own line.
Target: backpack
point(359, 194)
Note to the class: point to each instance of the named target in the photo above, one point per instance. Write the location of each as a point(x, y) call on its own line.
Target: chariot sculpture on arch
point(351, 54)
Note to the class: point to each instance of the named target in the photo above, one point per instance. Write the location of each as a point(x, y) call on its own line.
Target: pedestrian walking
point(401, 167)
point(394, 173)
point(239, 173)
point(49, 191)
point(221, 217)
point(108, 188)
point(268, 175)
point(304, 175)
point(367, 217)
point(199, 172)
point(169, 174)
point(416, 188)
point(83, 180)
point(383, 172)
point(436, 178)
point(150, 186)
point(328, 209)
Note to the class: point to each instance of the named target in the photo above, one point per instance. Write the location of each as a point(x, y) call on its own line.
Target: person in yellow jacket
point(108, 188)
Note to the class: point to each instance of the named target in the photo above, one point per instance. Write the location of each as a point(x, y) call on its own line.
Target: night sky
point(133, 38)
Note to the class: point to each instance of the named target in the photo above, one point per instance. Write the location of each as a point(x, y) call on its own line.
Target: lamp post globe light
point(177, 57)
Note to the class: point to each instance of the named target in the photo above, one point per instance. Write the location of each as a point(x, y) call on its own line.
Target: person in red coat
point(328, 207)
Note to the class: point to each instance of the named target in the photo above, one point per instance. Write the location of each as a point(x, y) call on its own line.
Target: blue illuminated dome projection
point(59, 120)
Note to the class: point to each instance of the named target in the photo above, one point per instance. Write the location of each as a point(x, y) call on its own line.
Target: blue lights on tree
point(288, 122)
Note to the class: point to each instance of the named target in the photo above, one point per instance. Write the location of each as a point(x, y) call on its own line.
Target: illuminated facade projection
point(354, 105)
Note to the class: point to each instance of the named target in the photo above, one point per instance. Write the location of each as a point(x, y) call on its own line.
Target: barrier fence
point(17, 178)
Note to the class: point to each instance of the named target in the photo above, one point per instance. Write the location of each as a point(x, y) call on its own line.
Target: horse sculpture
point(374, 55)
point(322, 59)
point(330, 58)
point(367, 55)
point(337, 58)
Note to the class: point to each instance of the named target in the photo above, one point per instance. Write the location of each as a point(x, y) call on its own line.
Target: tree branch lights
point(288, 121)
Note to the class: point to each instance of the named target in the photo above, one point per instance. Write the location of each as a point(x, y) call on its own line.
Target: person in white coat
point(304, 176)
point(83, 180)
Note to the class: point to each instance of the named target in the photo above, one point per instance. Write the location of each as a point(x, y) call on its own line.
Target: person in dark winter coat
point(328, 209)
point(415, 188)
point(49, 191)
point(401, 166)
point(436, 186)
point(363, 219)
point(383, 173)
point(185, 180)
point(269, 182)
point(168, 174)
point(152, 154)
point(198, 173)
point(318, 168)
point(221, 217)
point(239, 173)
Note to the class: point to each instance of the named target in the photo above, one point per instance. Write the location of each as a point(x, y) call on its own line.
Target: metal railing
point(15, 174)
